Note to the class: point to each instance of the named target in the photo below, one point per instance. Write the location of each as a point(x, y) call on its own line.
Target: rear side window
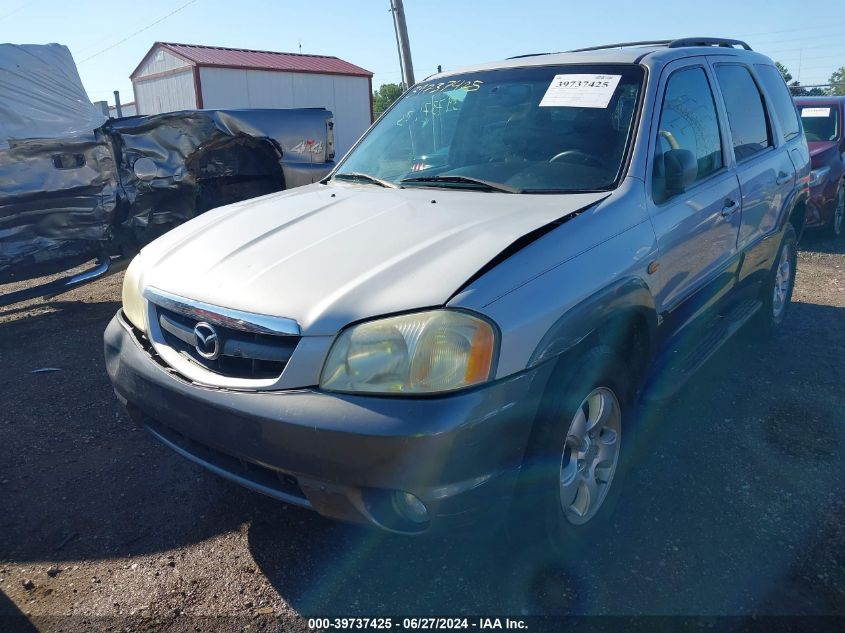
point(780, 99)
point(688, 121)
point(746, 112)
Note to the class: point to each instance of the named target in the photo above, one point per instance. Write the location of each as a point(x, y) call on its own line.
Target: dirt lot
point(737, 508)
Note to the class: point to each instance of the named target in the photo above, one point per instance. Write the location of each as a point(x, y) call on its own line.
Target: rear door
point(785, 116)
point(765, 170)
point(696, 229)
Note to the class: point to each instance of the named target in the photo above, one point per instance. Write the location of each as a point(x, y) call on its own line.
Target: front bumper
point(342, 455)
point(821, 204)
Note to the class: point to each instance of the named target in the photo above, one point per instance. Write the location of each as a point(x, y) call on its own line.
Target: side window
point(688, 121)
point(746, 112)
point(781, 100)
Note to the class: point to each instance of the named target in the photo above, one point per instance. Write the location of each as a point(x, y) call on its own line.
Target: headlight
point(133, 302)
point(817, 176)
point(426, 352)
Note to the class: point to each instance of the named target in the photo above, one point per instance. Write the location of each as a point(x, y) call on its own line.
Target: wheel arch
point(622, 317)
point(794, 210)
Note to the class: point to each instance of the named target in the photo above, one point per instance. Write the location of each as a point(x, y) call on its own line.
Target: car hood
point(820, 148)
point(328, 255)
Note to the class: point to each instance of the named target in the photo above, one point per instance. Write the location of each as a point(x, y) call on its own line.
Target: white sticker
point(807, 113)
point(580, 91)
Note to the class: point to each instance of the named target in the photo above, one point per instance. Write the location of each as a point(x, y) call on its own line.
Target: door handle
point(730, 208)
point(783, 177)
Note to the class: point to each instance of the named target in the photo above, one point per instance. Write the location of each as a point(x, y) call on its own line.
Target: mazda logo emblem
point(207, 342)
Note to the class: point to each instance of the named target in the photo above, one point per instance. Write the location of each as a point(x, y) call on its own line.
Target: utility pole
point(402, 42)
point(800, 58)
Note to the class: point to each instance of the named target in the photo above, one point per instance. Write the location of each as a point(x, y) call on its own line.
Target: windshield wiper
point(355, 175)
point(493, 186)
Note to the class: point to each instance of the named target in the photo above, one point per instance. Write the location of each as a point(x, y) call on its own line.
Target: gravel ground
point(736, 508)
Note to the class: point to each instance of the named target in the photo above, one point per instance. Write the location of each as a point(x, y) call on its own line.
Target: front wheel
point(571, 474)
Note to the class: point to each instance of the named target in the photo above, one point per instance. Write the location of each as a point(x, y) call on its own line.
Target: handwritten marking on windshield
point(467, 85)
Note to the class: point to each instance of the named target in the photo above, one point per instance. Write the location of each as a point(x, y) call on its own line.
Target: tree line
point(835, 85)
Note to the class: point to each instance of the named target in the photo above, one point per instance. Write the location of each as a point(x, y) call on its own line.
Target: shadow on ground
point(819, 241)
point(78, 480)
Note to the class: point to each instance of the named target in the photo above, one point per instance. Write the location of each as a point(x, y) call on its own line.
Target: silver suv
point(460, 319)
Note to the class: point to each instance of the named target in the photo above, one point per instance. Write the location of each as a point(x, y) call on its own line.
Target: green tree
point(838, 81)
point(787, 76)
point(384, 97)
point(797, 89)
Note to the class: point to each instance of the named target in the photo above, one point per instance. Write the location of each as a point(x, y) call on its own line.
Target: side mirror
point(681, 169)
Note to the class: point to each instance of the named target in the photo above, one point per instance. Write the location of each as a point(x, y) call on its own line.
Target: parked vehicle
point(823, 118)
point(78, 186)
point(416, 343)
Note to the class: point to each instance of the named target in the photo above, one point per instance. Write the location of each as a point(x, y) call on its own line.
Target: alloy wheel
point(783, 281)
point(839, 212)
point(590, 455)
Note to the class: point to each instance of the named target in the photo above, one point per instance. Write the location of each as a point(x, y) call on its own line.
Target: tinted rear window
point(821, 122)
point(746, 113)
point(781, 100)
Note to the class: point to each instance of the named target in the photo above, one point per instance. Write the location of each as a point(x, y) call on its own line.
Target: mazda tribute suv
point(455, 325)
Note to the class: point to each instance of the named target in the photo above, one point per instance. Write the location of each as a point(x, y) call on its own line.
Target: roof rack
point(680, 43)
point(529, 55)
point(708, 41)
point(623, 45)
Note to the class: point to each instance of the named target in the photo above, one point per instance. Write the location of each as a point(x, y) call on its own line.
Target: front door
point(696, 228)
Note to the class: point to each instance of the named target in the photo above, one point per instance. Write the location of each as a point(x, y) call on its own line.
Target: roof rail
point(708, 41)
point(529, 55)
point(623, 45)
point(680, 43)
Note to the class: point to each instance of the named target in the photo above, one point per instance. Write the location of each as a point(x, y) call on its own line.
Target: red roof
point(257, 60)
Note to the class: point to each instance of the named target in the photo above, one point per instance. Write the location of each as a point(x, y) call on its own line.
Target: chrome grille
point(243, 354)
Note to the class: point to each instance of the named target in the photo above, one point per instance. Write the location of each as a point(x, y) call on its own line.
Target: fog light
point(409, 507)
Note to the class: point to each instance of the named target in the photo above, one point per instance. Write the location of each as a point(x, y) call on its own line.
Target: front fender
point(624, 299)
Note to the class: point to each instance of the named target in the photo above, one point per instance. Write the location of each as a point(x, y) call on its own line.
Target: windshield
point(821, 123)
point(540, 129)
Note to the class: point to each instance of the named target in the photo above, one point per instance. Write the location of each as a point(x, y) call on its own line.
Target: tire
point(777, 290)
point(555, 508)
point(837, 224)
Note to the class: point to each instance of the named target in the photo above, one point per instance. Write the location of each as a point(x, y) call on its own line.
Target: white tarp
point(41, 94)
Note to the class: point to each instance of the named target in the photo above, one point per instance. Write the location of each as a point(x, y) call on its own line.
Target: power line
point(797, 48)
point(801, 55)
point(13, 11)
point(834, 25)
point(832, 39)
point(141, 30)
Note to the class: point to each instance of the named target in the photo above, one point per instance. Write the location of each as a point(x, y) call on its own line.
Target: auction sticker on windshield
point(580, 91)
point(815, 112)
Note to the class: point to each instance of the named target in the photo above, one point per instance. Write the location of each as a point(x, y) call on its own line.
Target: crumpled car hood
point(328, 255)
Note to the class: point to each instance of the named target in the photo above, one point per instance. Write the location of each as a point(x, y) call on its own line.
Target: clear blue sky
point(448, 32)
